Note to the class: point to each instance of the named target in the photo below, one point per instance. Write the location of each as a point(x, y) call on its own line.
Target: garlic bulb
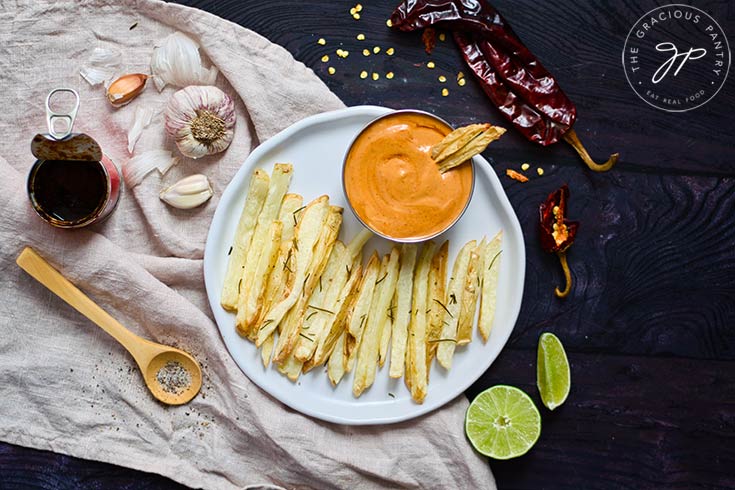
point(189, 192)
point(201, 120)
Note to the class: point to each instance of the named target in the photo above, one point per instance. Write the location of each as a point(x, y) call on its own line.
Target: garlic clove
point(189, 192)
point(126, 88)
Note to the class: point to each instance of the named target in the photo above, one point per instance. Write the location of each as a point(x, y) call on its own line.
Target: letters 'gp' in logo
point(676, 58)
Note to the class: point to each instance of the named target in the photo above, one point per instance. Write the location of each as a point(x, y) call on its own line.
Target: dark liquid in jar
point(69, 190)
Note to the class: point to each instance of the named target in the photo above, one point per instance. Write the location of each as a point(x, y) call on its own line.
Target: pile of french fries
point(306, 300)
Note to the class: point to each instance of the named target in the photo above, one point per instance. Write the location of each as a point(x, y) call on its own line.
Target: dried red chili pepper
point(429, 39)
point(511, 76)
point(557, 233)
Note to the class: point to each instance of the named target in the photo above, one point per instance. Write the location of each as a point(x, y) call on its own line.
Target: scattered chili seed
point(375, 76)
point(461, 82)
point(389, 23)
point(363, 74)
point(390, 51)
point(389, 75)
point(331, 70)
point(540, 171)
point(358, 8)
point(321, 41)
point(356, 16)
point(445, 92)
point(430, 65)
point(460, 75)
point(442, 37)
point(525, 167)
point(442, 78)
point(325, 58)
point(516, 176)
point(376, 49)
point(361, 37)
point(366, 52)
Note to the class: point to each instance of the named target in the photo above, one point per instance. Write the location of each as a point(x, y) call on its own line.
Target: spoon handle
point(43, 272)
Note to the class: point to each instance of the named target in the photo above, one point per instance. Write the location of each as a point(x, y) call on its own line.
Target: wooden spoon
point(150, 356)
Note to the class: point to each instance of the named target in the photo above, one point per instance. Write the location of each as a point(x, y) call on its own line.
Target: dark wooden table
point(649, 327)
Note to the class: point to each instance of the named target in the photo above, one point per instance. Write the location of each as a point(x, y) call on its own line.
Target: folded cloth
point(66, 385)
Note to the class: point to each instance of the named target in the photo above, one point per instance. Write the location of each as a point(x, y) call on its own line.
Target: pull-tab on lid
point(60, 143)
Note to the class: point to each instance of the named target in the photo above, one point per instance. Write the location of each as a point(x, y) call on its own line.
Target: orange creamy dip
point(393, 184)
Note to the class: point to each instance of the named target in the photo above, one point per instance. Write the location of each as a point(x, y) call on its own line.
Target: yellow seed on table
point(442, 37)
point(525, 167)
point(376, 49)
point(363, 74)
point(361, 37)
point(321, 41)
point(358, 8)
point(345, 54)
point(353, 11)
point(356, 16)
point(366, 52)
point(460, 75)
point(375, 76)
point(325, 58)
point(430, 65)
point(442, 78)
point(445, 92)
point(461, 82)
point(390, 51)
point(389, 75)
point(540, 171)
point(331, 70)
point(389, 23)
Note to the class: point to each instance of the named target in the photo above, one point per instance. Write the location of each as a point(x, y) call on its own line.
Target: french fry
point(490, 273)
point(288, 338)
point(448, 340)
point(338, 324)
point(307, 234)
point(402, 312)
point(280, 180)
point(291, 367)
point(437, 300)
point(278, 281)
point(356, 245)
point(386, 326)
point(336, 364)
point(262, 270)
point(359, 315)
point(457, 139)
point(266, 350)
point(416, 376)
point(319, 311)
point(469, 296)
point(257, 192)
point(369, 349)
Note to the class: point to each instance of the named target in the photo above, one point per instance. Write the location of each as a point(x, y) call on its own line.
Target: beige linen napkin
point(68, 387)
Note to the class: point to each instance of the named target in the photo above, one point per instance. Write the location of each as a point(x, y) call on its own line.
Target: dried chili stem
point(571, 138)
point(567, 276)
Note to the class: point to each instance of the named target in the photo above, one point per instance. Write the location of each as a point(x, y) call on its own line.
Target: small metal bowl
point(347, 197)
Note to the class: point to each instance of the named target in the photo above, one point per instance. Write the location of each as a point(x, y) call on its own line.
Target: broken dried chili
point(511, 76)
point(557, 233)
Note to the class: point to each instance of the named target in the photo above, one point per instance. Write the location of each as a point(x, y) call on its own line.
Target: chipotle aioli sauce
point(395, 187)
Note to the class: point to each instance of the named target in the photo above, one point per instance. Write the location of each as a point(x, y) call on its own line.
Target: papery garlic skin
point(201, 120)
point(188, 193)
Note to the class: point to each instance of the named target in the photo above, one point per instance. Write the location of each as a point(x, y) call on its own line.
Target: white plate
point(316, 146)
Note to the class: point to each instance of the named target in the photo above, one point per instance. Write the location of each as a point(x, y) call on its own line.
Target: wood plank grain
point(630, 422)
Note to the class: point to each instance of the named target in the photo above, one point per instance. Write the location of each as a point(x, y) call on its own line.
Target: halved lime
point(552, 371)
point(502, 422)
